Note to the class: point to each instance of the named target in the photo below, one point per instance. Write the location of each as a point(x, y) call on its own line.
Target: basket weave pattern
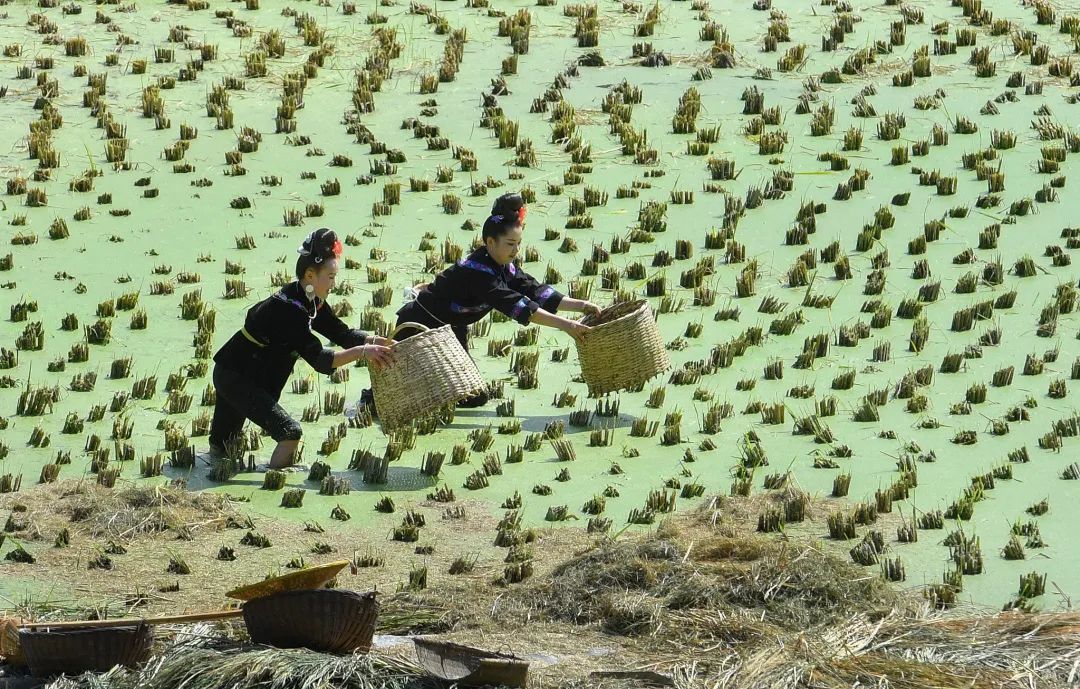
point(10, 650)
point(623, 350)
point(429, 370)
point(75, 651)
point(469, 666)
point(324, 620)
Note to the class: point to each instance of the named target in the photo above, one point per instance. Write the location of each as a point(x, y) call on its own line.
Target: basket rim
point(136, 627)
point(632, 308)
point(370, 596)
point(434, 654)
point(451, 647)
point(423, 334)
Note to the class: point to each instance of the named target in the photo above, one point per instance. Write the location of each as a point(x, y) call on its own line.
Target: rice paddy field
point(851, 219)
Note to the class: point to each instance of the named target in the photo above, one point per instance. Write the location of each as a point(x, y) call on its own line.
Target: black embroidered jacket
point(278, 330)
point(465, 292)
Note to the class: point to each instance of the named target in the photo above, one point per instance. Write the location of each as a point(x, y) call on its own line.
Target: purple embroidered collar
point(482, 261)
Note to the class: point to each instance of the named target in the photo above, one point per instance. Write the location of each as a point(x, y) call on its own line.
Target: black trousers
point(241, 399)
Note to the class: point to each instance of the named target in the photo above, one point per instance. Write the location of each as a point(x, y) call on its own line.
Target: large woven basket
point(429, 371)
point(324, 620)
point(308, 578)
point(75, 651)
point(623, 350)
point(470, 667)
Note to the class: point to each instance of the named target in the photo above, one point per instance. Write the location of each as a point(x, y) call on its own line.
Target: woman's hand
point(579, 305)
point(587, 307)
point(375, 354)
point(380, 340)
point(577, 330)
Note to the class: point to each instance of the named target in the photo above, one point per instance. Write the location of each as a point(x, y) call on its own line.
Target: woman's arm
point(325, 360)
point(535, 304)
point(549, 298)
point(374, 353)
point(572, 328)
point(579, 305)
point(327, 324)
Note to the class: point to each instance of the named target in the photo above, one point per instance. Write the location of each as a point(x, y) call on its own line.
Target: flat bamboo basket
point(310, 578)
point(623, 350)
point(470, 667)
point(429, 371)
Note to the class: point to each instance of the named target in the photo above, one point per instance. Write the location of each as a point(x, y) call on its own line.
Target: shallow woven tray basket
point(75, 651)
point(623, 350)
point(470, 667)
point(324, 620)
point(304, 579)
point(429, 370)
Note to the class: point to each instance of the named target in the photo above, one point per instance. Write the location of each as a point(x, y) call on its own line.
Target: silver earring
point(309, 289)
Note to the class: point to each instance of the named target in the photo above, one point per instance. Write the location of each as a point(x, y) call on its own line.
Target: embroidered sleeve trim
point(520, 306)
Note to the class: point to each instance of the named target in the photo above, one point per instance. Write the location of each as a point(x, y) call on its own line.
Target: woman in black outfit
point(489, 279)
point(251, 369)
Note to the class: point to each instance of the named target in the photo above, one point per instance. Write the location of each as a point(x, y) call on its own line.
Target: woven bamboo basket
point(429, 371)
point(303, 579)
point(75, 651)
point(10, 649)
point(470, 667)
point(325, 620)
point(623, 350)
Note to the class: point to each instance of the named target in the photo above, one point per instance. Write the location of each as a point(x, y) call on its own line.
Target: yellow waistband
point(245, 333)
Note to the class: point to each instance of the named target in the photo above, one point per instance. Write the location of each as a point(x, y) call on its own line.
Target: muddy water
point(192, 228)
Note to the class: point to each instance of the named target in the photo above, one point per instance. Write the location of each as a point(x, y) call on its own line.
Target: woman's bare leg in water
point(283, 454)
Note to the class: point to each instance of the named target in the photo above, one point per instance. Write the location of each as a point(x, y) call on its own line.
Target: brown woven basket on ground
point(308, 578)
point(429, 370)
point(324, 620)
point(75, 651)
point(10, 649)
point(623, 350)
point(471, 667)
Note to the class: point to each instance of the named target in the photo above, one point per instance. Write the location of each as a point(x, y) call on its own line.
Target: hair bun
point(321, 244)
point(507, 204)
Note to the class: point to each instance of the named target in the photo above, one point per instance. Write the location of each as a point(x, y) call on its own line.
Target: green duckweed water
point(189, 227)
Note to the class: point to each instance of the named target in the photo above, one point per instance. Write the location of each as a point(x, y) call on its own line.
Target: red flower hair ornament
point(518, 215)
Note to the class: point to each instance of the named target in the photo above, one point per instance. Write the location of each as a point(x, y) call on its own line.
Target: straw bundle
point(196, 662)
point(429, 371)
point(623, 350)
